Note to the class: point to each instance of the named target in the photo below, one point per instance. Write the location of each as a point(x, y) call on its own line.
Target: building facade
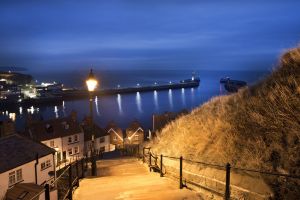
point(64, 135)
point(24, 161)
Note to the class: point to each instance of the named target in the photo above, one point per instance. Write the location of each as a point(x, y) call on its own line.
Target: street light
point(91, 84)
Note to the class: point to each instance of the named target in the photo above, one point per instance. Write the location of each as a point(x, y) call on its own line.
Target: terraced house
point(25, 164)
point(64, 135)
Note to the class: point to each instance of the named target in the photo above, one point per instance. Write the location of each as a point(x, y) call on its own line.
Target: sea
point(125, 108)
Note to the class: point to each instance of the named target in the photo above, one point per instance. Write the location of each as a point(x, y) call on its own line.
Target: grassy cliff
point(256, 128)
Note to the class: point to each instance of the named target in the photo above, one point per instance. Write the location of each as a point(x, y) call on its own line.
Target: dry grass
point(258, 127)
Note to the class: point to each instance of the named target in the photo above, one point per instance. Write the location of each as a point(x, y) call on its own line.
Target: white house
point(24, 161)
point(95, 138)
point(65, 135)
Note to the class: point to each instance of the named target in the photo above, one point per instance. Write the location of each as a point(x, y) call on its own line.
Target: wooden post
point(161, 165)
point(180, 173)
point(227, 189)
point(70, 183)
point(47, 192)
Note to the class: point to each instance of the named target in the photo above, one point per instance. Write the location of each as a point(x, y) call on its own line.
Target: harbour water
point(125, 108)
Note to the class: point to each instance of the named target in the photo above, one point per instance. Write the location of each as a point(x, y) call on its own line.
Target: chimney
point(73, 116)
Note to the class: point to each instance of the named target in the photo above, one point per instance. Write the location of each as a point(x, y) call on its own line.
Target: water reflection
point(193, 96)
point(30, 110)
point(96, 105)
point(119, 100)
point(139, 102)
point(170, 94)
point(183, 96)
point(155, 100)
point(56, 112)
point(64, 108)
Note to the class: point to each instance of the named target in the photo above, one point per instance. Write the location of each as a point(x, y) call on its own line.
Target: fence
point(165, 166)
point(67, 179)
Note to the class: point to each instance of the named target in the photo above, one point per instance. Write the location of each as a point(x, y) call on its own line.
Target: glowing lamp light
point(91, 82)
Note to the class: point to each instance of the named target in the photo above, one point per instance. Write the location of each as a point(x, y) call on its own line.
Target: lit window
point(70, 151)
point(102, 139)
point(75, 138)
point(52, 143)
point(76, 150)
point(70, 140)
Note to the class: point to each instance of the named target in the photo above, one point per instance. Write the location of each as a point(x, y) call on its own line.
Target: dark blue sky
point(137, 34)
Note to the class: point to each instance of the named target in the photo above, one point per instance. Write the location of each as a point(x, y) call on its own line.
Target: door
point(64, 155)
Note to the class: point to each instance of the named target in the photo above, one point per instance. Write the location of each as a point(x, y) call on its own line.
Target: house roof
point(133, 126)
point(89, 130)
point(55, 128)
point(16, 150)
point(24, 191)
point(114, 126)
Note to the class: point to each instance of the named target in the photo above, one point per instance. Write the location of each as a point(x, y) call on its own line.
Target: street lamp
point(91, 84)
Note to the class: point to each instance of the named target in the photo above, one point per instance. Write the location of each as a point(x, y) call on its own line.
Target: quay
point(71, 94)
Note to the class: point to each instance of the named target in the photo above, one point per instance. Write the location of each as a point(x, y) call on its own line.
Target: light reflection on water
point(183, 96)
point(155, 100)
point(119, 101)
point(170, 95)
point(96, 105)
point(139, 102)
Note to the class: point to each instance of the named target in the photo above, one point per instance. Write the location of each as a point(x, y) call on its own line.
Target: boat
point(232, 85)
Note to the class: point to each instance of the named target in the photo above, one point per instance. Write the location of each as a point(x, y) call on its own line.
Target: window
point(70, 151)
point(19, 175)
point(12, 178)
point(70, 139)
point(136, 137)
point(76, 150)
point(102, 139)
point(75, 138)
point(52, 143)
point(15, 177)
point(115, 138)
point(46, 164)
point(102, 149)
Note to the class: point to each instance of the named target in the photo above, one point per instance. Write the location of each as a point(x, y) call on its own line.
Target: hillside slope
point(256, 128)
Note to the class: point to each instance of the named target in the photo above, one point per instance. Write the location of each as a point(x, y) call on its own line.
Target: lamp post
point(92, 83)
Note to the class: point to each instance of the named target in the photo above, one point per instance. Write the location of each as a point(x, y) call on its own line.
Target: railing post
point(227, 189)
point(94, 166)
point(82, 168)
point(47, 192)
point(161, 165)
point(77, 173)
point(70, 183)
point(143, 154)
point(150, 162)
point(180, 173)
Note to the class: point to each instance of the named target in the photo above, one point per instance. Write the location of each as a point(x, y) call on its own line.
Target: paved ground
point(127, 178)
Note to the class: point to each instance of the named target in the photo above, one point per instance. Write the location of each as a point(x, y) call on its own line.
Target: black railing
point(67, 179)
point(152, 159)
